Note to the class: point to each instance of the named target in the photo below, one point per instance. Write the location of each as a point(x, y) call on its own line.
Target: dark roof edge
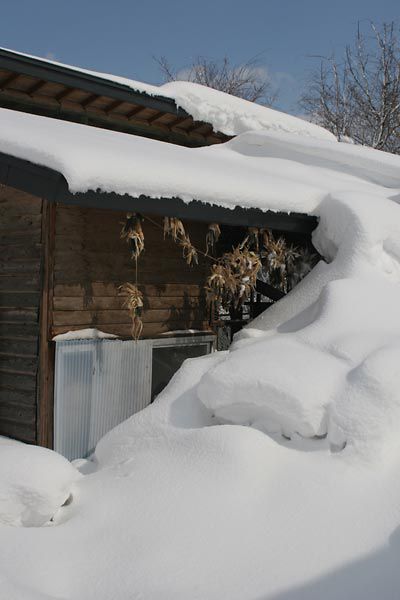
point(68, 76)
point(51, 185)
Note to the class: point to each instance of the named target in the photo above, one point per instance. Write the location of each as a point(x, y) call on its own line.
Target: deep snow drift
point(34, 483)
point(183, 501)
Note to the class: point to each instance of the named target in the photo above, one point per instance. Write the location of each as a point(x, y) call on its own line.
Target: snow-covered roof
point(264, 170)
point(227, 114)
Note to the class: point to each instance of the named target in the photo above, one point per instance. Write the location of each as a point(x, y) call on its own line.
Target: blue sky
point(122, 36)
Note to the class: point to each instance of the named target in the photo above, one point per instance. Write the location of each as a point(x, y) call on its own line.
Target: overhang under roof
point(50, 89)
point(51, 185)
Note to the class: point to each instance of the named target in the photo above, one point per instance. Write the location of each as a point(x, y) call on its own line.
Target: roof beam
point(89, 100)
point(179, 121)
point(196, 125)
point(135, 111)
point(114, 104)
point(155, 117)
point(6, 82)
point(38, 85)
point(64, 94)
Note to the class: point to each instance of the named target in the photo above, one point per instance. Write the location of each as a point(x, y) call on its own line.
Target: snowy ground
point(266, 472)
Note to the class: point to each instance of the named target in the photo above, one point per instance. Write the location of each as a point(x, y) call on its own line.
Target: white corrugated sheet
point(98, 384)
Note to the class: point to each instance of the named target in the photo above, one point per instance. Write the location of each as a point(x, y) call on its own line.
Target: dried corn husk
point(174, 227)
point(137, 327)
point(133, 233)
point(134, 303)
point(280, 259)
point(233, 278)
point(189, 251)
point(212, 237)
point(253, 236)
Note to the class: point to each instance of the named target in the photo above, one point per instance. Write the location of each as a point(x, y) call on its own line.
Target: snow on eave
point(265, 171)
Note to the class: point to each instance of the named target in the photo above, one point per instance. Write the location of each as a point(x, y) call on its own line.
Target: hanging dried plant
point(302, 264)
point(220, 286)
point(267, 238)
point(292, 254)
point(233, 278)
point(277, 254)
point(212, 237)
point(189, 251)
point(253, 236)
point(134, 303)
point(133, 233)
point(137, 328)
point(280, 259)
point(174, 228)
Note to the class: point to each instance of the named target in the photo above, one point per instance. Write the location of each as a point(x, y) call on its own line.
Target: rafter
point(38, 85)
point(178, 122)
point(134, 112)
point(89, 100)
point(64, 94)
point(6, 82)
point(158, 115)
point(115, 104)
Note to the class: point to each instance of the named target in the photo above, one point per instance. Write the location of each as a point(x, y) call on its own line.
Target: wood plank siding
point(91, 262)
point(20, 289)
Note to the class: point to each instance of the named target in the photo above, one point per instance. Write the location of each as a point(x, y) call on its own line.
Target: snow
point(233, 116)
point(228, 114)
point(83, 334)
point(287, 172)
point(269, 471)
point(34, 484)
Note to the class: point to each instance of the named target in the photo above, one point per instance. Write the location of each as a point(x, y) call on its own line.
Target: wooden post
point(45, 400)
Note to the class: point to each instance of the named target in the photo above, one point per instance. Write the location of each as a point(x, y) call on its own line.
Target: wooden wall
point(91, 262)
point(60, 270)
point(20, 277)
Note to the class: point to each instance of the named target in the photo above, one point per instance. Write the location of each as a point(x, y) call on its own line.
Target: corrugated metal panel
point(98, 384)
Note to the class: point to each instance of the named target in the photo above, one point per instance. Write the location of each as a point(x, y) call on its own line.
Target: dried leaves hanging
point(253, 236)
point(134, 303)
point(233, 278)
point(174, 228)
point(189, 252)
point(212, 237)
point(280, 259)
point(302, 265)
point(133, 233)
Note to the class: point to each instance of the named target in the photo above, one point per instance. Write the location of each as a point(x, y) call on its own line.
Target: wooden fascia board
point(91, 83)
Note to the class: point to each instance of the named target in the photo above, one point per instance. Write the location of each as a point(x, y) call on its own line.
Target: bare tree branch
point(360, 96)
point(248, 81)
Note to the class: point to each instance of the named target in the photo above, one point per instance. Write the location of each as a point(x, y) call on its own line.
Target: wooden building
point(62, 260)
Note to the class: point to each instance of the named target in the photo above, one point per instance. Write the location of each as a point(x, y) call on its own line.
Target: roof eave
point(51, 185)
point(13, 61)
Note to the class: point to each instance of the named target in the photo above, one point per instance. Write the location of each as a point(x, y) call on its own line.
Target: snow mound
point(322, 360)
point(232, 115)
point(34, 484)
point(254, 386)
